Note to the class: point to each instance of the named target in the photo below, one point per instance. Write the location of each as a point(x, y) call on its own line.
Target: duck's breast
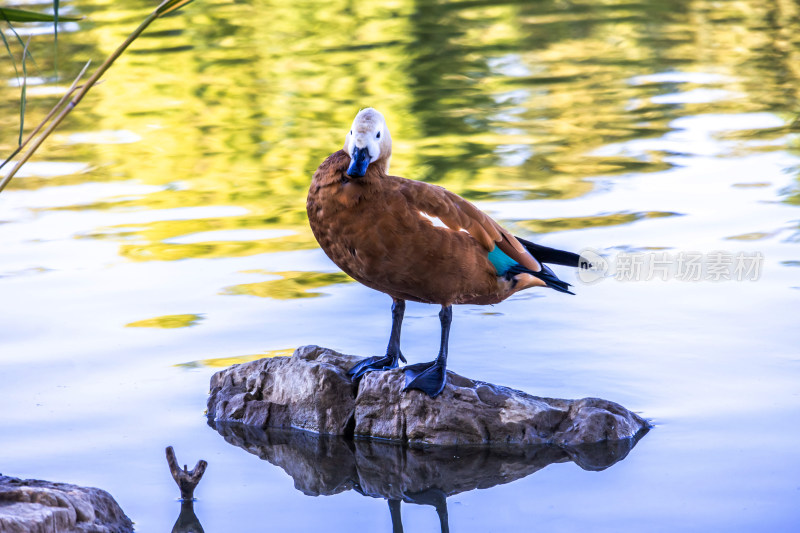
point(377, 233)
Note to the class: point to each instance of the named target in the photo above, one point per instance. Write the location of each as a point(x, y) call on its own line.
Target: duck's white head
point(368, 143)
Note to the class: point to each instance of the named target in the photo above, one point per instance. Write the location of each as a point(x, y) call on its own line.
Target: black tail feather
point(556, 257)
point(545, 274)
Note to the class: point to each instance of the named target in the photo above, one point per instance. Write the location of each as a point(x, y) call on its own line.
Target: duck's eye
point(378, 136)
point(351, 132)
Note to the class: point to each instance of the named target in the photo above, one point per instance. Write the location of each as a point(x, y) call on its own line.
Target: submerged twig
point(187, 480)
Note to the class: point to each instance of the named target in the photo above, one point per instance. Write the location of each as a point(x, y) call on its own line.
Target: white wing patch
point(436, 221)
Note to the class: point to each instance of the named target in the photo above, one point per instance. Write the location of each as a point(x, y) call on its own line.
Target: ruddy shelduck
point(416, 241)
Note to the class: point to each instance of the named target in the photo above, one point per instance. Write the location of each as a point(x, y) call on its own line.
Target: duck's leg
point(393, 353)
point(431, 377)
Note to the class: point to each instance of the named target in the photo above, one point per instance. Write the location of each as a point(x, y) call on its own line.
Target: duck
point(419, 242)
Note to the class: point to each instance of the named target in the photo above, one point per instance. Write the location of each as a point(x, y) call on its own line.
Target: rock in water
point(34, 506)
point(311, 390)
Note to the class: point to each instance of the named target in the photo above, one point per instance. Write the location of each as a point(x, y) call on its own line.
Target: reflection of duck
point(379, 230)
point(328, 465)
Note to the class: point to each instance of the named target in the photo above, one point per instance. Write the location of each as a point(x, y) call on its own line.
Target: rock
point(311, 390)
point(34, 506)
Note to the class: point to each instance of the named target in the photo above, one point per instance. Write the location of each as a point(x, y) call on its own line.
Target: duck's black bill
point(359, 162)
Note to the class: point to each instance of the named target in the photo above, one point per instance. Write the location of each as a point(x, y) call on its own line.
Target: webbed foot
point(430, 378)
point(384, 362)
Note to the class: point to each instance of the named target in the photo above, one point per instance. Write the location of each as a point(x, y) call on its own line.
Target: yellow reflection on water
point(490, 100)
point(224, 362)
point(291, 285)
point(612, 219)
point(169, 252)
point(167, 322)
point(754, 236)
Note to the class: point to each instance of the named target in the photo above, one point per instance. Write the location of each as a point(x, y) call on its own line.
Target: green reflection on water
point(237, 103)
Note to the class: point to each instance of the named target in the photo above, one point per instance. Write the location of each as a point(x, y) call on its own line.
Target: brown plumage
point(378, 229)
point(374, 229)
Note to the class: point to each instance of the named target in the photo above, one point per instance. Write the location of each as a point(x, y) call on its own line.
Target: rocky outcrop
point(34, 506)
point(311, 391)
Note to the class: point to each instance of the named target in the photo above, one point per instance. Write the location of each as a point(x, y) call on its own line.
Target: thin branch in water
point(164, 8)
point(168, 6)
point(52, 112)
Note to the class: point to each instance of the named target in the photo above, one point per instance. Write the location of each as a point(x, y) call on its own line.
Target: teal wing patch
point(500, 260)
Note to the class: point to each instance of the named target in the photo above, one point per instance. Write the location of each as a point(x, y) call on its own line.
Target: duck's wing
point(458, 214)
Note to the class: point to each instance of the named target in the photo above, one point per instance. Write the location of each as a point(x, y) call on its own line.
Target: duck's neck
point(386, 162)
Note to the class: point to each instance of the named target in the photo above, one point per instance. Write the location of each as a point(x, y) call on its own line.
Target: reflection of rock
point(311, 391)
point(34, 506)
point(425, 475)
point(327, 464)
point(321, 465)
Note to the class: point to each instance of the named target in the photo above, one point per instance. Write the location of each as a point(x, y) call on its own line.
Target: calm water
point(161, 235)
